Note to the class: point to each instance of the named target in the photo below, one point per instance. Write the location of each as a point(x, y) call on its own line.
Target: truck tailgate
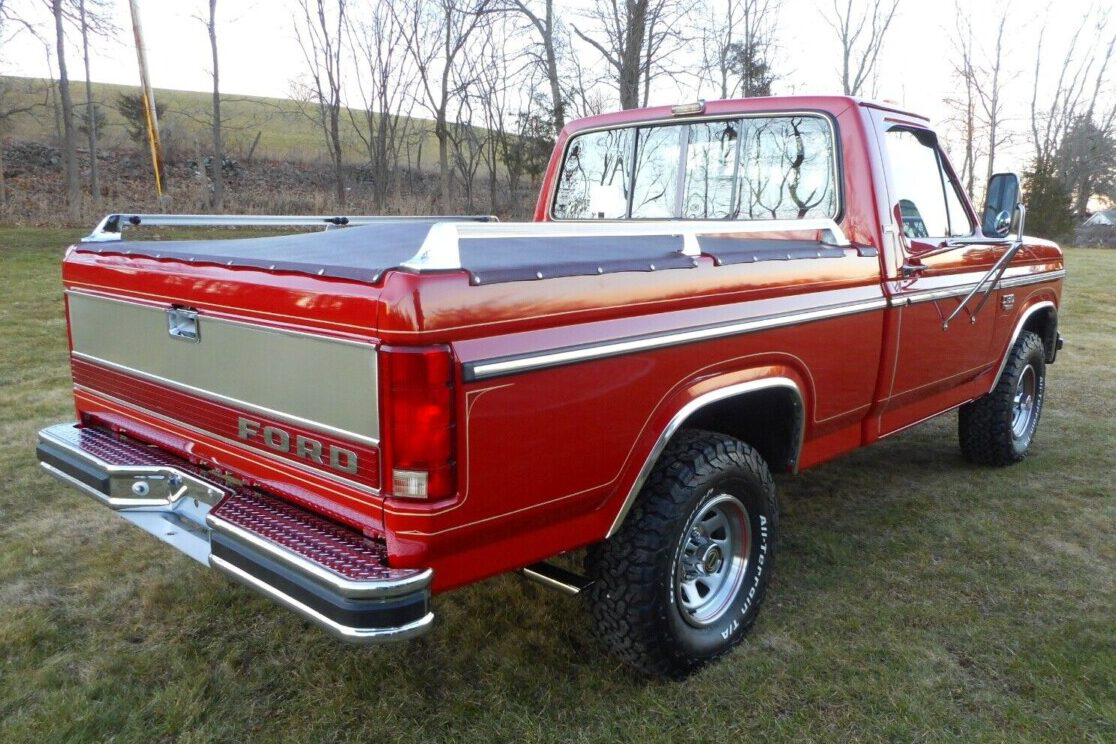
point(269, 375)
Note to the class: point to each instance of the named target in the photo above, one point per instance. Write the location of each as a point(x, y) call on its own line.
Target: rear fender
point(697, 404)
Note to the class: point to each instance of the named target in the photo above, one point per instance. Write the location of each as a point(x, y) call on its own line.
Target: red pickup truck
point(353, 419)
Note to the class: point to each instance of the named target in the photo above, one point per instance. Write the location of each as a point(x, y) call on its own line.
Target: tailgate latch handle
point(183, 324)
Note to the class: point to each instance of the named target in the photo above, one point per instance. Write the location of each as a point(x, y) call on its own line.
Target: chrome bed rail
point(112, 226)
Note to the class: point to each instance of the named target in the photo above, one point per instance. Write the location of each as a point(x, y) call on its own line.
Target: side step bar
point(331, 575)
point(556, 578)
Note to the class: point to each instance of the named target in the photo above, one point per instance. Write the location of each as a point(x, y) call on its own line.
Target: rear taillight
point(416, 421)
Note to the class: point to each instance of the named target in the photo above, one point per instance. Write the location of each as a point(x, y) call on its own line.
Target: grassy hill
point(286, 129)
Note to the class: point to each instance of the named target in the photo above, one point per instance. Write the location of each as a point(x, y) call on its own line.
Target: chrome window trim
point(1023, 317)
point(483, 369)
point(688, 410)
point(829, 119)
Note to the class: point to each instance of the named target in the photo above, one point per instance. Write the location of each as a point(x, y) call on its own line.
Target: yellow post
point(149, 110)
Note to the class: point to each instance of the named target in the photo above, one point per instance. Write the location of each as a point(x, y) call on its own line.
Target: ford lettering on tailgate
point(280, 440)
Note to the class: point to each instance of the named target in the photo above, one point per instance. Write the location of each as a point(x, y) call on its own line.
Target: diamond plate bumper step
point(329, 574)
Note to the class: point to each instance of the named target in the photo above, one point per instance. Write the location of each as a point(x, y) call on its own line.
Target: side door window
point(929, 204)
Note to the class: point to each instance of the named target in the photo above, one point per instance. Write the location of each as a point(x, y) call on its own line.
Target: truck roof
point(727, 107)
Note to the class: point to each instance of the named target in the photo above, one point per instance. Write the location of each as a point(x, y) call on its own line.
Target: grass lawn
point(917, 597)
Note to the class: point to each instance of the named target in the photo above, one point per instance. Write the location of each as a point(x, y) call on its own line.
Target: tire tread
point(984, 425)
point(624, 569)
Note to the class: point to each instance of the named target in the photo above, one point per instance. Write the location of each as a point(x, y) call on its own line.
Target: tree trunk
point(335, 135)
point(3, 183)
point(91, 113)
point(69, 146)
point(442, 133)
point(631, 60)
point(552, 70)
point(218, 166)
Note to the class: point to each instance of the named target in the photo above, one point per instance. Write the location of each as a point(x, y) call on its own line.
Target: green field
point(287, 133)
point(916, 598)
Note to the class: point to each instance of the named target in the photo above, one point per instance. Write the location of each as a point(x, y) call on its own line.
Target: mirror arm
point(995, 274)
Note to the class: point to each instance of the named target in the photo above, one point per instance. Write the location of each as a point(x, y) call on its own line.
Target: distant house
point(1103, 218)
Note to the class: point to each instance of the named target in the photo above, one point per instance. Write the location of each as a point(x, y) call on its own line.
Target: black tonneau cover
point(363, 253)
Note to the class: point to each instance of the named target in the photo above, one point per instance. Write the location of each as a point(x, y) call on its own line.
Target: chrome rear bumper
point(329, 574)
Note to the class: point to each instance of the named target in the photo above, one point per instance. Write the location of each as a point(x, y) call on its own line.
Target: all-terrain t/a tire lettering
point(682, 581)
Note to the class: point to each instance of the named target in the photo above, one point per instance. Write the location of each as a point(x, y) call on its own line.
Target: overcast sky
point(259, 55)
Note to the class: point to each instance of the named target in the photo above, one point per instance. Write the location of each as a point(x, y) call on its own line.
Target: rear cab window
point(755, 167)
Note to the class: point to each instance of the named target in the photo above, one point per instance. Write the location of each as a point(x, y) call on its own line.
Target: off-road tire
point(985, 425)
point(634, 599)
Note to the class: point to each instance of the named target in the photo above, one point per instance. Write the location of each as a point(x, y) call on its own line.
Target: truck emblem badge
point(1007, 302)
point(311, 450)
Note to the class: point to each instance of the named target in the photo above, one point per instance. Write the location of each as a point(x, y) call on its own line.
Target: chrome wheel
point(1023, 409)
point(713, 559)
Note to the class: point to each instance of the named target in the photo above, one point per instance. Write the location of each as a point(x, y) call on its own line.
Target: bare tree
point(1069, 109)
point(69, 140)
point(7, 111)
point(964, 105)
point(737, 42)
point(545, 25)
point(1050, 124)
point(435, 33)
point(10, 108)
point(633, 37)
point(319, 34)
point(90, 112)
point(990, 96)
point(93, 19)
point(506, 87)
point(217, 167)
point(386, 80)
point(861, 33)
point(1077, 120)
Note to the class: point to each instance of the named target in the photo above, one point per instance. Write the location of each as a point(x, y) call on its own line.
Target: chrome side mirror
point(1000, 203)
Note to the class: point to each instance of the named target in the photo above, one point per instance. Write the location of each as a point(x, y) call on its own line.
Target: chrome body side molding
point(483, 369)
point(679, 418)
point(910, 298)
